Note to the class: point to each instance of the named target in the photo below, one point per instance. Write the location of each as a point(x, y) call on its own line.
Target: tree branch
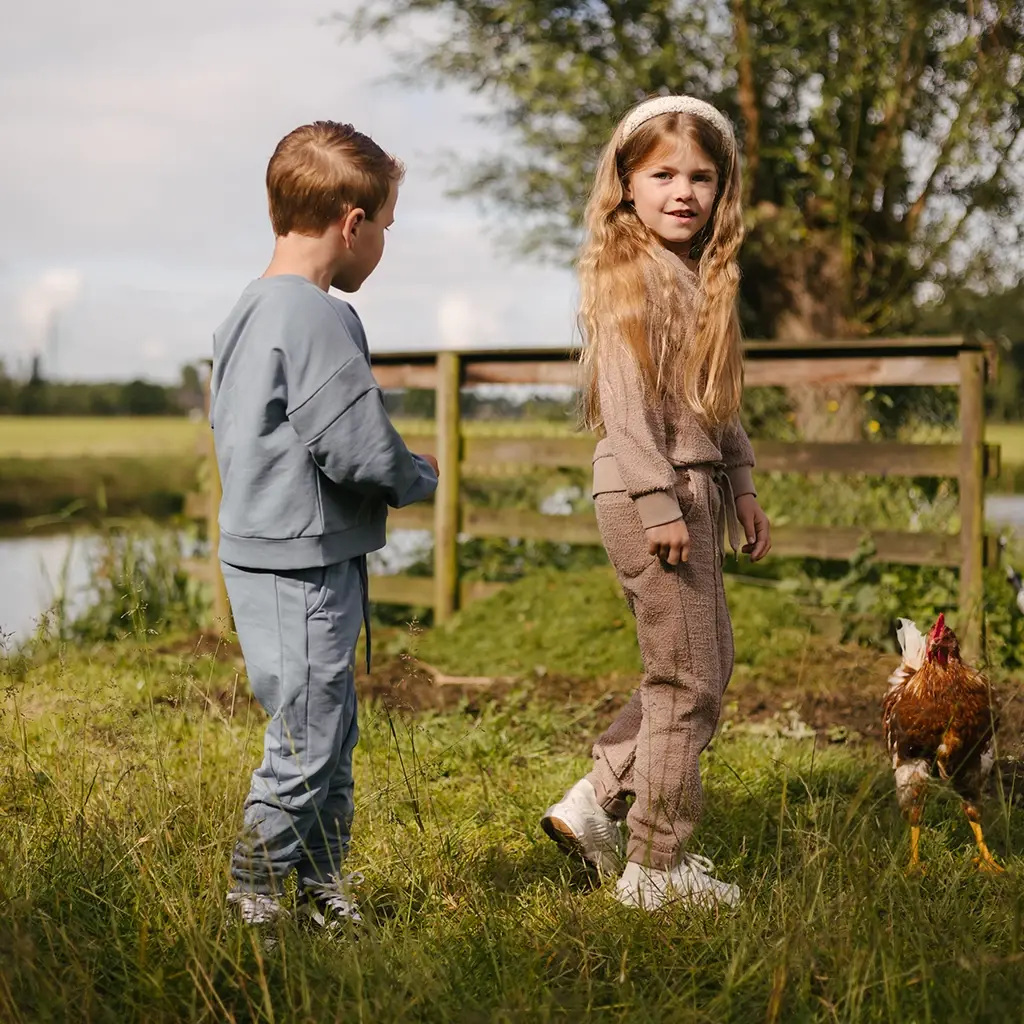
point(905, 87)
point(945, 151)
point(747, 98)
point(941, 250)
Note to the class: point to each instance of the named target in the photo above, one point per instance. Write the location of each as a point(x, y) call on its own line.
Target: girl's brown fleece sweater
point(645, 446)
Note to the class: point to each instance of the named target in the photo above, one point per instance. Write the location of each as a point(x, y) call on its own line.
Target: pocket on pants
point(622, 533)
point(321, 590)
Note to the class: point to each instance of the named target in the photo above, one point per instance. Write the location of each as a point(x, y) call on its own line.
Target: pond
point(35, 569)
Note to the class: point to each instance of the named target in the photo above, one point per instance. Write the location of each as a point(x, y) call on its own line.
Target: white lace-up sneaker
point(330, 904)
point(583, 828)
point(256, 908)
point(690, 882)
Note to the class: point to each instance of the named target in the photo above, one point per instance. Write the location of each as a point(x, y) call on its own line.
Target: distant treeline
point(38, 396)
point(998, 315)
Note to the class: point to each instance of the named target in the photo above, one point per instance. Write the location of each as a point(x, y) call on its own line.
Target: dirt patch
point(203, 645)
point(836, 691)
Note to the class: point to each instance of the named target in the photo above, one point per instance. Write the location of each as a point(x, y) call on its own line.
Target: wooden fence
point(873, 363)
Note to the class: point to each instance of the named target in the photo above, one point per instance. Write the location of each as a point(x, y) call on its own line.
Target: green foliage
point(879, 143)
point(926, 504)
point(38, 396)
point(998, 315)
point(577, 624)
point(95, 486)
point(138, 586)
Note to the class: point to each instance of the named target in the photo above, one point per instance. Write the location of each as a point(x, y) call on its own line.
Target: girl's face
point(673, 193)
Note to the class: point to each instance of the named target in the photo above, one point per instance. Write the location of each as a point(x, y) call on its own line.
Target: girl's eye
point(663, 174)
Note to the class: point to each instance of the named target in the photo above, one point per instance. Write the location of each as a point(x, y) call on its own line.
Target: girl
point(672, 472)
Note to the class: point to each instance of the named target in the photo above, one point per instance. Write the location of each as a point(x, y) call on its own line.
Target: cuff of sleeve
point(742, 480)
point(658, 508)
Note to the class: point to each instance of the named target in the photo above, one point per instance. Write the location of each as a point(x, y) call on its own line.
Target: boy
point(309, 462)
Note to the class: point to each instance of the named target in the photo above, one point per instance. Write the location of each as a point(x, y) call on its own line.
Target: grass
point(98, 465)
point(51, 436)
point(39, 437)
point(97, 486)
point(1010, 436)
point(577, 624)
point(123, 770)
point(42, 437)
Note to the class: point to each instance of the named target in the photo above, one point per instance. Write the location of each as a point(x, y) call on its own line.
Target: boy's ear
point(351, 222)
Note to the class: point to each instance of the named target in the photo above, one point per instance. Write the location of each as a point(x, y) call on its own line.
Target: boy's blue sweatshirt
point(308, 458)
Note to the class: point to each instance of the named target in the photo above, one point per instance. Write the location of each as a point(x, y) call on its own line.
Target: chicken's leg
point(915, 867)
point(911, 782)
point(984, 860)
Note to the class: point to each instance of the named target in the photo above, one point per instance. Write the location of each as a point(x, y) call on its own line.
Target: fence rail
point(874, 362)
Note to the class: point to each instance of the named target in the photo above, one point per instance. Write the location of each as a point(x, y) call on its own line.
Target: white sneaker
point(256, 908)
point(690, 882)
point(330, 905)
point(583, 828)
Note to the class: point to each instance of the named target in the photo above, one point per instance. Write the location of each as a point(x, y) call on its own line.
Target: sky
point(136, 137)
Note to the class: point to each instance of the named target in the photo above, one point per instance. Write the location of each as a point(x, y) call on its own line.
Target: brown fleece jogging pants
point(651, 750)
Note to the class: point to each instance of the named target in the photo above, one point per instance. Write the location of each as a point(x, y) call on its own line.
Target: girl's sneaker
point(256, 908)
point(583, 828)
point(690, 882)
point(330, 905)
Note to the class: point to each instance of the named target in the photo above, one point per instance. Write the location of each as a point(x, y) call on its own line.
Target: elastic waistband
point(608, 480)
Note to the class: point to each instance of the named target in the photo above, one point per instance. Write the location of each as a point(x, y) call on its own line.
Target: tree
point(881, 139)
point(140, 398)
point(998, 316)
point(32, 398)
point(191, 391)
point(8, 391)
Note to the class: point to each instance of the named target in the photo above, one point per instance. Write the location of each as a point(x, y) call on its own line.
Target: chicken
point(939, 715)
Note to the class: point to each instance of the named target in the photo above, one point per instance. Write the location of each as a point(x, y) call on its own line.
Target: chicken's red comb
point(940, 626)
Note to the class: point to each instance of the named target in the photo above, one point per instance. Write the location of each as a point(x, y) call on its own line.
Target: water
point(34, 570)
point(1006, 510)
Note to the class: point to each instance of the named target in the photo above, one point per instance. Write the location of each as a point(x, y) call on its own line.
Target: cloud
point(45, 298)
point(461, 323)
point(137, 147)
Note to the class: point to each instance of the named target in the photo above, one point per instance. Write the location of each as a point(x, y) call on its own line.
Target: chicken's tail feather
point(912, 644)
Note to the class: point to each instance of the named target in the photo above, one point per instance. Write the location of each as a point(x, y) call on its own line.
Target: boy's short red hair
point(323, 169)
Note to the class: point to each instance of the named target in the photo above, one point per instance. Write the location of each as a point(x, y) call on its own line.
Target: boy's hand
point(755, 525)
point(670, 542)
point(432, 462)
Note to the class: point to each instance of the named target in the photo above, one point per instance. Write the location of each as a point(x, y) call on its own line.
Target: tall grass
point(122, 773)
point(138, 586)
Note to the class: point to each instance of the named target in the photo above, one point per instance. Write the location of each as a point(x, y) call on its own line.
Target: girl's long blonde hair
point(629, 290)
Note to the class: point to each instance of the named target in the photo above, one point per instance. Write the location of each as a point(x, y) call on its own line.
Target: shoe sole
point(654, 900)
point(565, 839)
point(638, 901)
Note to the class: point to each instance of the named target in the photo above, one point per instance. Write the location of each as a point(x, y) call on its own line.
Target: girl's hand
point(755, 525)
point(670, 542)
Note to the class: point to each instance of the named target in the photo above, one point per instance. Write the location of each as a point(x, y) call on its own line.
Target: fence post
point(446, 502)
point(972, 500)
point(222, 623)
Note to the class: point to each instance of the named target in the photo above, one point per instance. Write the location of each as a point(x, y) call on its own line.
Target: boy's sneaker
point(256, 908)
point(330, 905)
point(583, 828)
point(690, 882)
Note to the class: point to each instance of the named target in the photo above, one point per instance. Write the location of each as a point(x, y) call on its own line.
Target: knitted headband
point(678, 105)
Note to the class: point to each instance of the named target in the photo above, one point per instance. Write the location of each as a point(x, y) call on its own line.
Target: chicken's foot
point(984, 860)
